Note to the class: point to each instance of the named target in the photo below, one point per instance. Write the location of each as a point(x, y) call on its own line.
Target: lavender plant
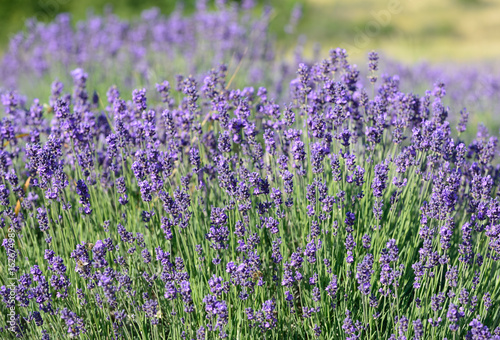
point(197, 209)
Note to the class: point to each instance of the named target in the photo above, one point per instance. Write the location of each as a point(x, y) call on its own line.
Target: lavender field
point(185, 177)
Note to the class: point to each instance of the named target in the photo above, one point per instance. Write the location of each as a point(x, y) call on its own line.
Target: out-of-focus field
point(444, 30)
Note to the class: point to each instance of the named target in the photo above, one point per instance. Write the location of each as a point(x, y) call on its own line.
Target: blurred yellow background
point(444, 30)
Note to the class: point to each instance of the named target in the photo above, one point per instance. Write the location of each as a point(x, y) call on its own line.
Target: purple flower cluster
point(202, 209)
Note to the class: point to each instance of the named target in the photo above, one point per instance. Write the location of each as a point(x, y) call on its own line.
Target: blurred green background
point(408, 30)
